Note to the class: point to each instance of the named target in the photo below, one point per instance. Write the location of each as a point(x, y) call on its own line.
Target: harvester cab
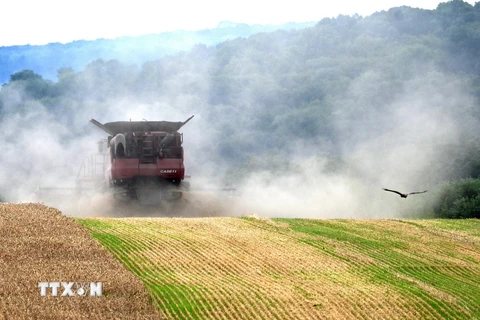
point(88, 181)
point(90, 174)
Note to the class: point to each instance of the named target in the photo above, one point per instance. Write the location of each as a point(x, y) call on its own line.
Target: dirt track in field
point(192, 204)
point(38, 244)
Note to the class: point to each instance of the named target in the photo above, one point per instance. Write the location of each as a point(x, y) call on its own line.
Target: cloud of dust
point(396, 146)
point(45, 150)
point(392, 146)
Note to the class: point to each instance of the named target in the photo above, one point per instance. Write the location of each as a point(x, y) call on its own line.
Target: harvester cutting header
point(144, 160)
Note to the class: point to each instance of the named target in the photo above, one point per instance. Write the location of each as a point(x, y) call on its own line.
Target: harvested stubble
point(231, 268)
point(38, 244)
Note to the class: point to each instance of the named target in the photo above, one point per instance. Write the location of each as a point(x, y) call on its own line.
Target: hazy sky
point(45, 21)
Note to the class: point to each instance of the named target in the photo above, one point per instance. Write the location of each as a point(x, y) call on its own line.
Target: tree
point(25, 75)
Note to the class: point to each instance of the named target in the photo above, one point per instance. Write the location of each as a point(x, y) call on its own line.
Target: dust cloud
point(191, 205)
point(43, 155)
point(396, 146)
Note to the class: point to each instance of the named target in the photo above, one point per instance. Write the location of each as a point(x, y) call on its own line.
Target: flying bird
point(404, 195)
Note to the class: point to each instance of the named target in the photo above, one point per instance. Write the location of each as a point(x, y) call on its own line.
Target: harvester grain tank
point(144, 160)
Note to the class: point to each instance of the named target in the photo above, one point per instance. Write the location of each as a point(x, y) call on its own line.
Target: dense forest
point(391, 97)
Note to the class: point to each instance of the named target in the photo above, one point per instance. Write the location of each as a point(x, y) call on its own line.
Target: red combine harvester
point(143, 160)
point(138, 161)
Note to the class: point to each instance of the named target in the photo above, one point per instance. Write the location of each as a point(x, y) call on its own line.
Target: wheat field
point(251, 268)
point(39, 244)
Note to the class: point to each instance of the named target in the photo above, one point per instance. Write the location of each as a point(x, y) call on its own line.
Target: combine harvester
point(139, 162)
point(143, 160)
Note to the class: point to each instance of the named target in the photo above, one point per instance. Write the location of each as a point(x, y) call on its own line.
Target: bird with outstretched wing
point(404, 195)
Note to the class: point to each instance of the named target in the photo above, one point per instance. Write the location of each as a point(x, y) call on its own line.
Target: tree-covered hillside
point(391, 97)
point(47, 59)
